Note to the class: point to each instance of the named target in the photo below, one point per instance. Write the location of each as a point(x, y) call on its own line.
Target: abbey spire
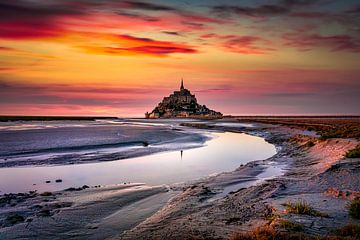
point(182, 84)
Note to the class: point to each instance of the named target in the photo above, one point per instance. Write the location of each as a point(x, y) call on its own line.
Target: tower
point(182, 84)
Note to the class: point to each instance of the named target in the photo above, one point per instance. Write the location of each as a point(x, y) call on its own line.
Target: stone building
point(181, 104)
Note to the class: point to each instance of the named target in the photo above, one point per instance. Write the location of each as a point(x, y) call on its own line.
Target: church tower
point(182, 85)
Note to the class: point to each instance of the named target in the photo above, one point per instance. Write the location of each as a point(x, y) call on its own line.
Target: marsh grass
point(304, 208)
point(309, 144)
point(348, 232)
point(291, 226)
point(354, 208)
point(46, 194)
point(353, 153)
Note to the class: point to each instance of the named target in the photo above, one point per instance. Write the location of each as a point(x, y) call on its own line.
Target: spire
point(182, 84)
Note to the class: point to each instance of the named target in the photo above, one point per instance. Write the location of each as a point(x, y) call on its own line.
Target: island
point(182, 104)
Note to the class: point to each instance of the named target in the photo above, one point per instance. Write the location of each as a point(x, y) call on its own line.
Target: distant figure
point(181, 153)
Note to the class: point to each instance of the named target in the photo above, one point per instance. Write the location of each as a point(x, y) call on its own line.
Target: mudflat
point(304, 190)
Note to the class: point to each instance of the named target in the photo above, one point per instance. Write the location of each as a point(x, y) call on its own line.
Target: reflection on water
point(225, 152)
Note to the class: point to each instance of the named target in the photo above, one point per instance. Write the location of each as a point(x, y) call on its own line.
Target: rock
point(58, 180)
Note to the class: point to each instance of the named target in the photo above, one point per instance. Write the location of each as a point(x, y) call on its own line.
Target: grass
point(46, 194)
point(269, 233)
point(340, 132)
point(354, 208)
point(326, 127)
point(72, 189)
point(303, 208)
point(354, 153)
point(291, 226)
point(310, 144)
point(348, 232)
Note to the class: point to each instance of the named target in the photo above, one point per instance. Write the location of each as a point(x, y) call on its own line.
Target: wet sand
point(89, 213)
point(216, 207)
point(312, 174)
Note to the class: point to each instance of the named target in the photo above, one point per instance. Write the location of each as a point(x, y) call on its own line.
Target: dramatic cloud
point(130, 45)
point(24, 93)
point(242, 44)
point(172, 33)
point(6, 48)
point(147, 6)
point(280, 8)
point(264, 10)
point(305, 41)
point(20, 19)
point(143, 50)
point(81, 56)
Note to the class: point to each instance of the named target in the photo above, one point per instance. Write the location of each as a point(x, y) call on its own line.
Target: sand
point(311, 172)
point(213, 208)
point(92, 213)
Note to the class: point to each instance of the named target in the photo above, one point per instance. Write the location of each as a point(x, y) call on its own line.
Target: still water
point(224, 152)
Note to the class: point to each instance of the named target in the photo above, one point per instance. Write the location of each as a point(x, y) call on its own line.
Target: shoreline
point(189, 215)
point(206, 209)
point(136, 142)
point(30, 206)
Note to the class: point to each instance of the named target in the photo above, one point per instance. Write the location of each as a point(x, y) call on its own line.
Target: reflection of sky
point(225, 152)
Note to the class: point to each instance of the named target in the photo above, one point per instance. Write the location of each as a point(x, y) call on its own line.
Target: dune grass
point(347, 232)
point(354, 153)
point(354, 208)
point(304, 208)
point(290, 225)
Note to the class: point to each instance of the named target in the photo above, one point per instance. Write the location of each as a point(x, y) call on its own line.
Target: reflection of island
point(181, 104)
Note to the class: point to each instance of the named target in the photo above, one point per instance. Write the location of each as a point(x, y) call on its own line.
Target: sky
point(121, 57)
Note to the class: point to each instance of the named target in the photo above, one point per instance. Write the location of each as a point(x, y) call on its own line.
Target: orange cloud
point(130, 45)
point(242, 44)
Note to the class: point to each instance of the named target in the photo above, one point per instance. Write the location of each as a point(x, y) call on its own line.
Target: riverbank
point(316, 174)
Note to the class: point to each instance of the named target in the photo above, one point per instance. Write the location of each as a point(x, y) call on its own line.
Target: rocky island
point(181, 104)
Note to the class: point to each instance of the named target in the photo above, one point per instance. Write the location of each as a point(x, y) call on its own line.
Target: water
point(223, 152)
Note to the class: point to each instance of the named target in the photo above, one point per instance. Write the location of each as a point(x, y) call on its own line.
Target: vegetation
point(291, 226)
point(310, 143)
point(348, 232)
point(46, 194)
point(354, 153)
point(354, 208)
point(326, 127)
point(304, 208)
point(72, 189)
point(340, 132)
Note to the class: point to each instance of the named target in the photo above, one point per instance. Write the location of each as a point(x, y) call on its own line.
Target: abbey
point(181, 104)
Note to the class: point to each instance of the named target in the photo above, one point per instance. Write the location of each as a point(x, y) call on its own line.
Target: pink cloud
point(306, 41)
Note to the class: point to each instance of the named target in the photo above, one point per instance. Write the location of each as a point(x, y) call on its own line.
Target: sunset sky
point(120, 58)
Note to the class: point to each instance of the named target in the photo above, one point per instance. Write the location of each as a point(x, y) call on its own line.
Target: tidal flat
point(255, 170)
